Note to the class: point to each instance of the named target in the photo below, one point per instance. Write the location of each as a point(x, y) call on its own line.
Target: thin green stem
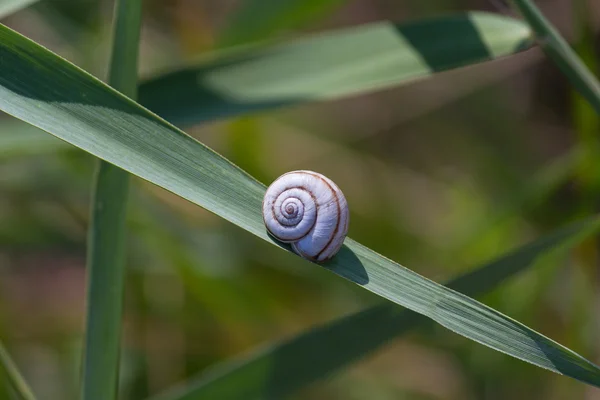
point(557, 48)
point(106, 241)
point(124, 60)
point(14, 377)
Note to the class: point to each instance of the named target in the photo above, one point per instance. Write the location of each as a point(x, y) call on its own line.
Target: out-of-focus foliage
point(428, 169)
point(79, 109)
point(255, 20)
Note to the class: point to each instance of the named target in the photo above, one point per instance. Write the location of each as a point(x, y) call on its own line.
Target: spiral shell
point(309, 211)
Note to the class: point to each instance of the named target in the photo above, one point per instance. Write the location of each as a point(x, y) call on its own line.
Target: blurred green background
point(441, 175)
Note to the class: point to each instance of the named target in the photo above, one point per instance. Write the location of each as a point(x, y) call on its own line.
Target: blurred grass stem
point(557, 48)
point(106, 255)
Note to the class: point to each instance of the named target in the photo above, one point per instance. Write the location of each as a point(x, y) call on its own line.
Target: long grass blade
point(56, 96)
point(557, 48)
point(10, 372)
point(106, 241)
point(330, 65)
point(322, 351)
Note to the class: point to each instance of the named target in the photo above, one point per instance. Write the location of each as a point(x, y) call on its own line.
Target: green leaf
point(10, 372)
point(8, 7)
point(47, 91)
point(318, 353)
point(559, 51)
point(256, 20)
point(330, 65)
point(106, 239)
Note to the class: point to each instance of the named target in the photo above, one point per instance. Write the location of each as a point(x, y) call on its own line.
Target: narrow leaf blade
point(320, 352)
point(330, 65)
point(559, 51)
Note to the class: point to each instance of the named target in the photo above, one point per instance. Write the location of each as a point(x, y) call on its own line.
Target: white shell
point(309, 211)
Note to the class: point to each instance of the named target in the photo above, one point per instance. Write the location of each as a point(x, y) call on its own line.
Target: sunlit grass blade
point(106, 239)
point(8, 7)
point(284, 368)
point(330, 65)
point(47, 91)
point(10, 372)
point(256, 20)
point(557, 48)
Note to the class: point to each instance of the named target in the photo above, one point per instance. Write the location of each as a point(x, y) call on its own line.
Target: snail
point(309, 211)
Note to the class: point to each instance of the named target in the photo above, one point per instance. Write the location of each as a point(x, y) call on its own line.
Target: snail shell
point(309, 211)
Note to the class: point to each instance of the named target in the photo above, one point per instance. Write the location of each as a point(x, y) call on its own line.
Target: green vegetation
point(173, 291)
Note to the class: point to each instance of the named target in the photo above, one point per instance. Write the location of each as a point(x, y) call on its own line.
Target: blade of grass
point(8, 7)
point(13, 376)
point(56, 96)
point(559, 51)
point(342, 63)
point(106, 241)
point(320, 352)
